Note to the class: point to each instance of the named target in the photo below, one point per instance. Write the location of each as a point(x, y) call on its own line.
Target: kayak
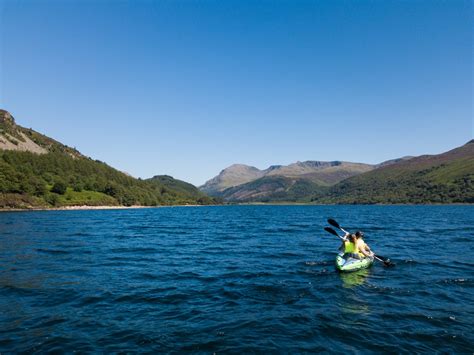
point(347, 264)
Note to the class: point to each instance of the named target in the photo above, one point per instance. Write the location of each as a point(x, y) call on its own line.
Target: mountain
point(294, 182)
point(38, 171)
point(232, 176)
point(324, 173)
point(442, 178)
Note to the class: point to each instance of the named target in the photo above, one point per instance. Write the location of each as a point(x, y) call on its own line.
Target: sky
point(187, 88)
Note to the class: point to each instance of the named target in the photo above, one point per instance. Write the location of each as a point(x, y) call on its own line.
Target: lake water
point(235, 279)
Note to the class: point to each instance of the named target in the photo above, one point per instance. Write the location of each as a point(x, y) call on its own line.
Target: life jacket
point(349, 247)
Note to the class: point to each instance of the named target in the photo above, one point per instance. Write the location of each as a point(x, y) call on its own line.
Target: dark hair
point(359, 234)
point(352, 238)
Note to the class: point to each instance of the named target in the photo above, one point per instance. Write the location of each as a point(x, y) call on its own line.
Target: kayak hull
point(348, 264)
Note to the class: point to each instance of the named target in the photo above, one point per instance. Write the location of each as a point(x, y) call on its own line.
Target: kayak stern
point(348, 264)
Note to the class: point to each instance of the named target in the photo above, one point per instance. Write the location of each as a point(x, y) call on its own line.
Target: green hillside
point(56, 179)
point(443, 178)
point(175, 186)
point(37, 171)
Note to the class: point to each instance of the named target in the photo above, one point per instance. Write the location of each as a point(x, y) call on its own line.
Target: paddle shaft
point(376, 257)
point(333, 232)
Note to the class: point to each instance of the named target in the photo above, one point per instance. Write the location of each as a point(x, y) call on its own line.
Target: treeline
point(60, 179)
point(421, 192)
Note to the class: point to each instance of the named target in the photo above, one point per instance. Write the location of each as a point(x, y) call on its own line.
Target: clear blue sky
point(186, 88)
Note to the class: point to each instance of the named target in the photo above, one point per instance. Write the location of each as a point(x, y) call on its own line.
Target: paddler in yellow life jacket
point(354, 246)
point(362, 248)
point(349, 246)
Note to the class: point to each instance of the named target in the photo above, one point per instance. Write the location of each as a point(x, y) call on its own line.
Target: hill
point(442, 178)
point(234, 175)
point(171, 185)
point(273, 188)
point(38, 171)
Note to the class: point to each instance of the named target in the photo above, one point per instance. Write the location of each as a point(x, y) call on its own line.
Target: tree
point(59, 187)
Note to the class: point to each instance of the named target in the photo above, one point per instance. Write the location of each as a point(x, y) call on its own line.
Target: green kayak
point(346, 264)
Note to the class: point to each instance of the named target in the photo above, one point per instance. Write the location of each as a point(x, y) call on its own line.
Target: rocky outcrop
point(18, 138)
point(12, 136)
point(6, 118)
point(25, 144)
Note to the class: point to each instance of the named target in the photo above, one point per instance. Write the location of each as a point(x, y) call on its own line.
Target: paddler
point(362, 248)
point(349, 246)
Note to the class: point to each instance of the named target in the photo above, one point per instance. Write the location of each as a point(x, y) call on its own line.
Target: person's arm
point(371, 253)
point(362, 248)
point(366, 250)
point(365, 253)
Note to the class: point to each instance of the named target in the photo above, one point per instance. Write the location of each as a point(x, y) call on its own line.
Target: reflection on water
point(354, 279)
point(354, 304)
point(357, 307)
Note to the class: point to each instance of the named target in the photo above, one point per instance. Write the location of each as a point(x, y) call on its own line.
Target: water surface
point(235, 279)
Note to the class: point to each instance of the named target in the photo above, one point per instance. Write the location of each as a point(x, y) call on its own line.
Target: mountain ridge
point(323, 172)
point(427, 178)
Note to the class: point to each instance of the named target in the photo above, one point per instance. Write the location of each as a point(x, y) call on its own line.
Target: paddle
point(333, 223)
point(332, 231)
point(385, 260)
point(380, 258)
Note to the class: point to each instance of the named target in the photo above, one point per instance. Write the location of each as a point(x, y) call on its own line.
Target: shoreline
point(86, 208)
point(89, 208)
point(69, 208)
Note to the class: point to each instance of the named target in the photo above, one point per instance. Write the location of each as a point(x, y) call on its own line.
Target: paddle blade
point(386, 261)
point(330, 230)
point(333, 223)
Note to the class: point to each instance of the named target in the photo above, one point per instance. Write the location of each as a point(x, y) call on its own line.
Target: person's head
point(359, 234)
point(352, 238)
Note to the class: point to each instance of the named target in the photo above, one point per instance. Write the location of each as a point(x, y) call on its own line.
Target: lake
point(233, 279)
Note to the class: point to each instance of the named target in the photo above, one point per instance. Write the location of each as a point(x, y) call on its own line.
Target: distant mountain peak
point(273, 167)
point(240, 166)
point(233, 175)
